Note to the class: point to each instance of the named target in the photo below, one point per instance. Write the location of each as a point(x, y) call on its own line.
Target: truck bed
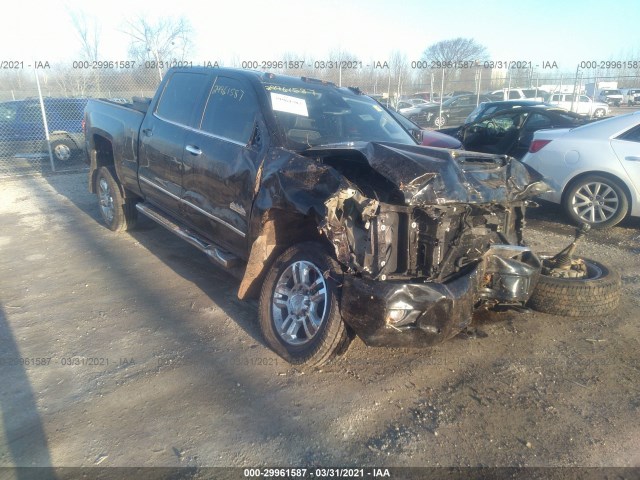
point(120, 122)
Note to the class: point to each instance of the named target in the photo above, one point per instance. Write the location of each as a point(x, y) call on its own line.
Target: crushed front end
point(422, 256)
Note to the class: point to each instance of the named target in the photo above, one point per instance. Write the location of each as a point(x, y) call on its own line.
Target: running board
point(215, 253)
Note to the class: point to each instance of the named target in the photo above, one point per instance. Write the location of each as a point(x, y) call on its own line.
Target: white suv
point(580, 104)
point(519, 94)
point(631, 96)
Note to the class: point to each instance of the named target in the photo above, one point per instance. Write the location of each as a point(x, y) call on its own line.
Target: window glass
point(568, 117)
point(584, 98)
point(230, 111)
point(491, 110)
point(31, 112)
point(311, 115)
point(501, 122)
point(71, 111)
point(514, 95)
point(632, 135)
point(7, 112)
point(180, 96)
point(537, 121)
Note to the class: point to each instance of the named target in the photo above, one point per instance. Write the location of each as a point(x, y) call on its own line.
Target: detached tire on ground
point(300, 306)
point(117, 214)
point(599, 294)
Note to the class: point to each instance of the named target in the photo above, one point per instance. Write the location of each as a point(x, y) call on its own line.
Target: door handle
point(632, 159)
point(148, 132)
point(193, 150)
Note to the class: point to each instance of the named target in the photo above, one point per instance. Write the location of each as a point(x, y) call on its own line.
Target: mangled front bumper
point(423, 314)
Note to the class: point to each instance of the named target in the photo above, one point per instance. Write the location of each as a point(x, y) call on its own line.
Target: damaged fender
point(424, 235)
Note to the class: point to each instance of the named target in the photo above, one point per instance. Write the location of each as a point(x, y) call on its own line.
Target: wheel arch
point(625, 187)
point(279, 230)
point(63, 135)
point(101, 155)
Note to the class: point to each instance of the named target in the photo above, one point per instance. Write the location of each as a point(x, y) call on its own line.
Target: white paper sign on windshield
point(286, 103)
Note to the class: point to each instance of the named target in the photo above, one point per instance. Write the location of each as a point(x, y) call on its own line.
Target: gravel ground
point(133, 350)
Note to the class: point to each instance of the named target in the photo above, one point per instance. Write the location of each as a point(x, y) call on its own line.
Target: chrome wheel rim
point(595, 202)
point(439, 121)
point(62, 152)
point(299, 303)
point(105, 199)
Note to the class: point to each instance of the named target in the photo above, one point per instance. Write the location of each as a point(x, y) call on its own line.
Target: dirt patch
point(133, 350)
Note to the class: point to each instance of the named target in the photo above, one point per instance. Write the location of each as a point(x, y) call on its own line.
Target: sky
point(565, 32)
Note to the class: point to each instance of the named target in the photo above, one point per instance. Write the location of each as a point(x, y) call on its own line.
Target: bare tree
point(398, 65)
point(164, 41)
point(88, 32)
point(456, 50)
point(449, 53)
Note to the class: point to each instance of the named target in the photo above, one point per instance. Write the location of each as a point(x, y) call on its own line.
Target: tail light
point(537, 145)
point(83, 125)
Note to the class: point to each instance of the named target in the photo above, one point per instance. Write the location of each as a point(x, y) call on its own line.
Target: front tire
point(117, 214)
point(597, 200)
point(596, 294)
point(300, 306)
point(599, 113)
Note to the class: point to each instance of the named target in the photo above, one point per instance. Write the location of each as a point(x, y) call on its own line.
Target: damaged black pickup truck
point(329, 209)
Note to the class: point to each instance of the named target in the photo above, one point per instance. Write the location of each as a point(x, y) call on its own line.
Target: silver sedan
point(594, 169)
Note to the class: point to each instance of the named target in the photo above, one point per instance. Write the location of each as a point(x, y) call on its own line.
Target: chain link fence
point(42, 113)
point(41, 110)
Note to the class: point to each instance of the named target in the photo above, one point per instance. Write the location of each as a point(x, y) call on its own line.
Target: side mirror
point(417, 134)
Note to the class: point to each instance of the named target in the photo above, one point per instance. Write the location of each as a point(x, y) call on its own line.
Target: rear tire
point(597, 200)
point(118, 214)
point(599, 113)
point(64, 151)
point(300, 306)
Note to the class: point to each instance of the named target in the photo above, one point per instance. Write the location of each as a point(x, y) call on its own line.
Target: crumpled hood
point(436, 176)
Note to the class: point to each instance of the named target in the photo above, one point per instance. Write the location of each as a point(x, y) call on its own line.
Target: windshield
point(448, 101)
point(475, 113)
point(311, 116)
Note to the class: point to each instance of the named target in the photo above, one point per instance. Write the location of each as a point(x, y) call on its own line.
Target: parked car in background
point(454, 111)
point(487, 108)
point(594, 169)
point(519, 94)
point(22, 128)
point(510, 132)
point(457, 93)
point(580, 104)
point(417, 101)
point(611, 97)
point(428, 96)
point(427, 138)
point(418, 114)
point(631, 96)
